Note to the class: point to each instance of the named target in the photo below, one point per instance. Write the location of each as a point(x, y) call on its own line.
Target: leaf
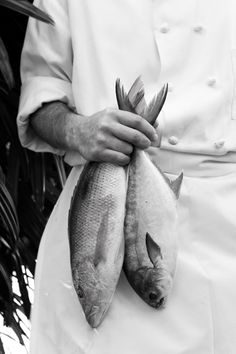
point(15, 325)
point(22, 285)
point(37, 177)
point(2, 176)
point(60, 169)
point(5, 66)
point(6, 285)
point(28, 9)
point(13, 169)
point(28, 253)
point(1, 347)
point(4, 242)
point(8, 212)
point(7, 121)
point(16, 152)
point(6, 239)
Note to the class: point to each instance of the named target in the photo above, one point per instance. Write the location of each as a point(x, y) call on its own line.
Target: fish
point(96, 236)
point(150, 227)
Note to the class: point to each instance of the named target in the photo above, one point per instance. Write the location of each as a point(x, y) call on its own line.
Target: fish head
point(94, 294)
point(153, 285)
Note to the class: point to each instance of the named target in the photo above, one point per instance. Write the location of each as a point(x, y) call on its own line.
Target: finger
point(137, 122)
point(115, 157)
point(119, 145)
point(131, 136)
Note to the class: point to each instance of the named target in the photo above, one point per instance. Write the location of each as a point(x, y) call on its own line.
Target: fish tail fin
point(135, 102)
point(128, 102)
point(176, 185)
point(136, 89)
point(121, 97)
point(136, 96)
point(154, 107)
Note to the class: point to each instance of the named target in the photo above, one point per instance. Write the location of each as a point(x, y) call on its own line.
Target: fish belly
point(150, 207)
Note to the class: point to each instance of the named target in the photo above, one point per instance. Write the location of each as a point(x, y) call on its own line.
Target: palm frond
point(60, 166)
point(8, 212)
point(5, 66)
point(28, 9)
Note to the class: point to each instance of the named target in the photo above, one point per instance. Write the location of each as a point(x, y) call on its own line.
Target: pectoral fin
point(100, 254)
point(153, 250)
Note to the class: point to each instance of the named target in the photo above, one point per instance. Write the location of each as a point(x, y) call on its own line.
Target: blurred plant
point(29, 182)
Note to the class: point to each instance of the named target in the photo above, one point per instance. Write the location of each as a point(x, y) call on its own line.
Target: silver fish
point(96, 236)
point(151, 214)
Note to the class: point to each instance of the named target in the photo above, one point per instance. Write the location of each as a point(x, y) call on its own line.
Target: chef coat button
point(219, 144)
point(211, 81)
point(164, 28)
point(173, 140)
point(198, 29)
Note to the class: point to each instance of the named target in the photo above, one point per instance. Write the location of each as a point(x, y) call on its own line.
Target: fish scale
point(96, 236)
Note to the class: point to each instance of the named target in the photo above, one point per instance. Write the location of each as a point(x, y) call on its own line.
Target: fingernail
point(155, 137)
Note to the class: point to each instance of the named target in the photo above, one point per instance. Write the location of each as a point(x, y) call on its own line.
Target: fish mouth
point(161, 303)
point(95, 316)
point(158, 304)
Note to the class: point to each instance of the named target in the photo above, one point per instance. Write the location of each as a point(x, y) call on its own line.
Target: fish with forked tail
point(151, 214)
point(96, 236)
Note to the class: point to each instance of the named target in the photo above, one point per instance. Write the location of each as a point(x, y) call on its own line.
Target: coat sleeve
point(46, 69)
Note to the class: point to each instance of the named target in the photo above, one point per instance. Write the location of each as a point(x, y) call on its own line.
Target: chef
point(68, 107)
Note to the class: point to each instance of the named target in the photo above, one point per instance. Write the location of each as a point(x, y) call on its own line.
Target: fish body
point(150, 230)
point(96, 236)
point(151, 214)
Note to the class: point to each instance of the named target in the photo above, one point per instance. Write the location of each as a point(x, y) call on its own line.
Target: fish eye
point(80, 292)
point(153, 296)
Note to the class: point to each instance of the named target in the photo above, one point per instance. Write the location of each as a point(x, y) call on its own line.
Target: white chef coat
point(192, 45)
point(92, 43)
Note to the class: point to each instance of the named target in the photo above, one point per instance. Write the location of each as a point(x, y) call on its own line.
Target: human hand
point(111, 134)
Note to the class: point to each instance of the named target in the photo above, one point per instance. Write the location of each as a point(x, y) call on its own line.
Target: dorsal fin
point(176, 185)
point(153, 250)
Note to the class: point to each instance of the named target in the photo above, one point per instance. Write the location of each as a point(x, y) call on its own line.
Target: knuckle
point(138, 122)
point(94, 154)
point(96, 151)
point(105, 124)
point(100, 139)
point(108, 111)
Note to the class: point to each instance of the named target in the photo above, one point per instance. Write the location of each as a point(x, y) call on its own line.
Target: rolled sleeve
point(46, 70)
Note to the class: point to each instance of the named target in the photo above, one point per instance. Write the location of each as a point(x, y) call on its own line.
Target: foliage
point(29, 183)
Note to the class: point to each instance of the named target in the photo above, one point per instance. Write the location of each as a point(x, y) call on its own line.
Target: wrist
point(73, 125)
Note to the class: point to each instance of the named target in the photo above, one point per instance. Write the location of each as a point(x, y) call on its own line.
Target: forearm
point(56, 124)
point(108, 135)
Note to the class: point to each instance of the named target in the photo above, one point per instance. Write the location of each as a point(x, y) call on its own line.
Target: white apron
point(200, 316)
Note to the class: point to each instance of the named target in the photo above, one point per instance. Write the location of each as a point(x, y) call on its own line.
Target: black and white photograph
point(117, 177)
